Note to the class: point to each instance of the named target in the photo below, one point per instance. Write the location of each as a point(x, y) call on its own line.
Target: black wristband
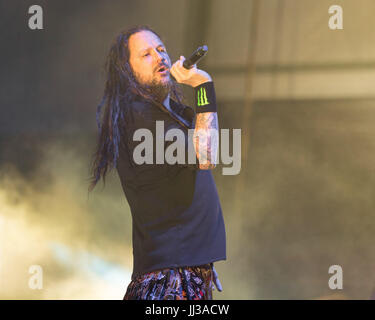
point(205, 98)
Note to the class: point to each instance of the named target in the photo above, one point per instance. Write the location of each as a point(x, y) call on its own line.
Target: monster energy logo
point(202, 97)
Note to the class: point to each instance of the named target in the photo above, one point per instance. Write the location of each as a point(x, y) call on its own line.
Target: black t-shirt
point(176, 214)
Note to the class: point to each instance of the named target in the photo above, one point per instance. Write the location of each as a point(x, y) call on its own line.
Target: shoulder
point(139, 112)
point(139, 106)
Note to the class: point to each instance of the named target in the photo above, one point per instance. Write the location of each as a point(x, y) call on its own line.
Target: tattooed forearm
point(206, 138)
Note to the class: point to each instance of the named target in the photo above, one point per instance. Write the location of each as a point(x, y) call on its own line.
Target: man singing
point(178, 227)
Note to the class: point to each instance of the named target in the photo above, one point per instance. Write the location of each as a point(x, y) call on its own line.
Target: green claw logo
point(202, 97)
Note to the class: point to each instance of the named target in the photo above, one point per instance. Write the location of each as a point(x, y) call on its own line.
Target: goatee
point(158, 90)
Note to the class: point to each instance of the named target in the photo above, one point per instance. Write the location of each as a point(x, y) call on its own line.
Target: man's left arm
point(206, 132)
point(206, 139)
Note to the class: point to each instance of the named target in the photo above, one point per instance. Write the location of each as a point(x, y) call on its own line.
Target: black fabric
point(205, 97)
point(176, 214)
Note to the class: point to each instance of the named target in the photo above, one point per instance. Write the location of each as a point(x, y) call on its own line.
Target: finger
point(180, 63)
point(175, 72)
point(175, 66)
point(178, 75)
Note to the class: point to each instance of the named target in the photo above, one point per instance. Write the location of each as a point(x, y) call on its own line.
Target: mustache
point(160, 65)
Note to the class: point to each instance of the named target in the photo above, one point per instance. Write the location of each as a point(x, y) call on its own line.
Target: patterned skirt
point(182, 283)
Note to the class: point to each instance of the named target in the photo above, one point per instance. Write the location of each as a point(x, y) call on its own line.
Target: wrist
point(205, 97)
point(201, 81)
point(201, 77)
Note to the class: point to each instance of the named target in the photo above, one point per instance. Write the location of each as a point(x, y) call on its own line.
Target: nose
point(159, 56)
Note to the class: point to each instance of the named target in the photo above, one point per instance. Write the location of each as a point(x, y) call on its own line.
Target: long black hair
point(121, 87)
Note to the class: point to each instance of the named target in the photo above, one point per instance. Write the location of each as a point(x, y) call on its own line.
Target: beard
point(159, 90)
point(156, 89)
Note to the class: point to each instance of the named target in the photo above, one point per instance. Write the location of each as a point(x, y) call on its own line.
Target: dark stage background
point(302, 94)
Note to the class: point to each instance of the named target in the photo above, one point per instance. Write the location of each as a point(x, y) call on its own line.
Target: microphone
point(195, 57)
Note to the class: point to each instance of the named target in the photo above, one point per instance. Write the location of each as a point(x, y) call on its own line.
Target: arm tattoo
point(206, 136)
